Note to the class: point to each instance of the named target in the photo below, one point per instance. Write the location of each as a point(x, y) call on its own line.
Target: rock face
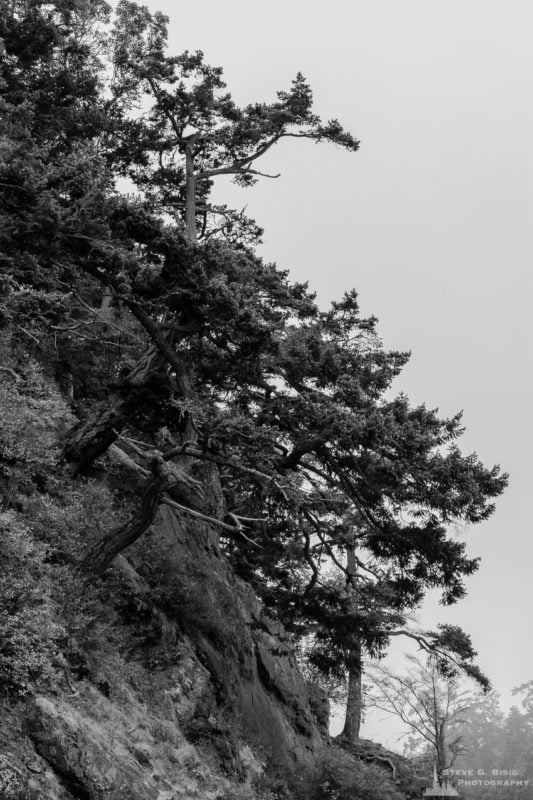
point(196, 691)
point(97, 748)
point(247, 655)
point(13, 778)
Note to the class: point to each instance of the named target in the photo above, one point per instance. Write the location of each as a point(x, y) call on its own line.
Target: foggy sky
point(429, 221)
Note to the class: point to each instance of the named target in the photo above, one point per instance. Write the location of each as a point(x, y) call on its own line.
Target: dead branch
point(236, 529)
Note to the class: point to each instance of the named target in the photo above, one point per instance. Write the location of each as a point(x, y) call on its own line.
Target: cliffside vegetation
point(155, 368)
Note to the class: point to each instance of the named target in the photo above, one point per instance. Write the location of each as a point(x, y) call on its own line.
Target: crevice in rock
point(68, 780)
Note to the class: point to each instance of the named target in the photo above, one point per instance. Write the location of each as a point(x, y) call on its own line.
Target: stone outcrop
point(247, 655)
point(196, 693)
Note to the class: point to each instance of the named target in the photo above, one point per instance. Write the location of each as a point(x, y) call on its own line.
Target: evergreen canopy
point(179, 345)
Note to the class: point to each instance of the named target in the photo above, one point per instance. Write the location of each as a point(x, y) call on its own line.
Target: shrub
point(30, 631)
point(75, 518)
point(33, 414)
point(345, 777)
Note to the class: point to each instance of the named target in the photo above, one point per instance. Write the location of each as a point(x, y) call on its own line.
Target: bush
point(345, 778)
point(74, 519)
point(33, 415)
point(46, 526)
point(30, 632)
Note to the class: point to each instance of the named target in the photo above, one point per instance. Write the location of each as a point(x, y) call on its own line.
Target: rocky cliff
point(192, 692)
point(163, 679)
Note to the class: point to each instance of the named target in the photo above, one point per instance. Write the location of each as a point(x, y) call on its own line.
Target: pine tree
point(208, 371)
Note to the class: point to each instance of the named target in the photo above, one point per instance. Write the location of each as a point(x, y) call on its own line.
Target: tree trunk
point(108, 548)
point(190, 195)
point(354, 702)
point(90, 438)
point(441, 754)
point(105, 303)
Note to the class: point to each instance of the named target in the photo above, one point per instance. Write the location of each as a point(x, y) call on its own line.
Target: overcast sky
point(430, 221)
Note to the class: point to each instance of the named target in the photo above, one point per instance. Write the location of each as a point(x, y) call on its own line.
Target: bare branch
point(233, 169)
point(236, 529)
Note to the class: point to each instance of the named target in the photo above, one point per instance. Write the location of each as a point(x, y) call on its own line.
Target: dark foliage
point(172, 339)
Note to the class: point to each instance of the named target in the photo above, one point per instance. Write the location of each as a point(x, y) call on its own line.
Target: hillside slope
point(164, 679)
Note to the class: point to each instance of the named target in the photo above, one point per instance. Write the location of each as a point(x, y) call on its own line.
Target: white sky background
point(429, 221)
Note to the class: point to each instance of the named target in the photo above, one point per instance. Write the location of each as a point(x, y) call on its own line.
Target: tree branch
point(233, 170)
point(232, 529)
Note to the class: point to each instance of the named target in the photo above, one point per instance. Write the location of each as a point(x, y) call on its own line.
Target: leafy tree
point(482, 735)
point(517, 749)
point(433, 706)
point(500, 745)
